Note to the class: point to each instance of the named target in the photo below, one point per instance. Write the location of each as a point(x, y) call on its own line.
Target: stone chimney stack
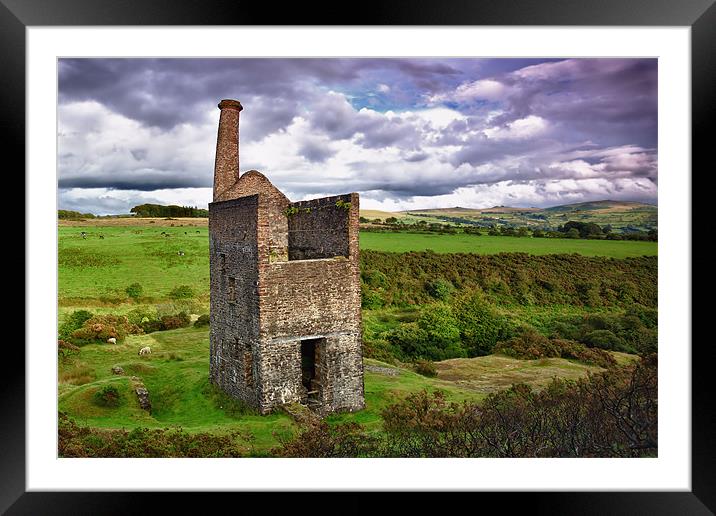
point(226, 166)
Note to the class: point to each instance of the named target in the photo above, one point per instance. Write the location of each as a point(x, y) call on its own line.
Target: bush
point(65, 349)
point(434, 336)
point(605, 339)
point(439, 324)
point(73, 321)
point(99, 328)
point(83, 441)
point(479, 323)
point(370, 299)
point(203, 320)
point(134, 291)
point(439, 289)
point(152, 326)
point(374, 278)
point(141, 315)
point(107, 396)
point(181, 292)
point(426, 368)
point(507, 278)
point(380, 349)
point(172, 322)
point(591, 356)
point(610, 414)
point(528, 344)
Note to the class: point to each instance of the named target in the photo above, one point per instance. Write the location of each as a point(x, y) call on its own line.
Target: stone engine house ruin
point(285, 289)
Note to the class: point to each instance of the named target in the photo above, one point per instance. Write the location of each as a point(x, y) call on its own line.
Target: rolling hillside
point(623, 216)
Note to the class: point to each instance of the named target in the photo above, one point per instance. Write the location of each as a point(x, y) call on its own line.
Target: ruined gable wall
point(319, 228)
point(234, 317)
point(275, 204)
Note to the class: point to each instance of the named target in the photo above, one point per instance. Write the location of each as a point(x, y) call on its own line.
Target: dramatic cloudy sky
point(404, 133)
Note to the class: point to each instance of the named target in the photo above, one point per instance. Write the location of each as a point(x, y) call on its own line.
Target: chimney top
point(230, 104)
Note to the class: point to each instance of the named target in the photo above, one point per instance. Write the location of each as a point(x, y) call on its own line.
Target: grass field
point(94, 272)
point(176, 375)
point(101, 268)
point(484, 244)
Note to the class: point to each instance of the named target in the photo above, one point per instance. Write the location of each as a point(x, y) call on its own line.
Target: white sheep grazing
point(145, 351)
point(111, 340)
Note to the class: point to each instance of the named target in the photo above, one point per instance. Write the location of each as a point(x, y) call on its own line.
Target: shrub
point(374, 278)
point(439, 289)
point(107, 396)
point(592, 356)
point(323, 440)
point(203, 320)
point(605, 339)
point(141, 315)
point(152, 326)
point(172, 322)
point(380, 349)
point(65, 349)
point(73, 321)
point(83, 441)
point(439, 324)
point(548, 279)
point(370, 299)
point(610, 414)
point(181, 292)
point(426, 368)
point(134, 291)
point(479, 323)
point(99, 328)
point(529, 344)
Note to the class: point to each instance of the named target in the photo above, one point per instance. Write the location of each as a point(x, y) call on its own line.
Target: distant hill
point(624, 216)
point(606, 205)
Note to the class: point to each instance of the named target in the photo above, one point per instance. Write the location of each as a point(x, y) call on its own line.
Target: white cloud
point(483, 89)
point(528, 127)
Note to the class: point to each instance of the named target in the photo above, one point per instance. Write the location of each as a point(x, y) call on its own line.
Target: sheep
point(145, 351)
point(111, 340)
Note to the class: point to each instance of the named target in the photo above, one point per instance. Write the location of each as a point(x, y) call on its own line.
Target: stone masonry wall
point(275, 203)
point(234, 314)
point(314, 298)
point(319, 228)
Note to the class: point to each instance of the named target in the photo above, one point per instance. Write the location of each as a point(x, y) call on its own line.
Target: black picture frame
point(700, 15)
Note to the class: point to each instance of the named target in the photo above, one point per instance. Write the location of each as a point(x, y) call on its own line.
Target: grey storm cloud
point(392, 128)
point(315, 151)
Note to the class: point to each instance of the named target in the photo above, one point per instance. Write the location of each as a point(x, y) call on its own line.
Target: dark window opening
point(310, 365)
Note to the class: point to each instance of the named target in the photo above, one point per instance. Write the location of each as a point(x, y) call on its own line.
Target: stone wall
point(234, 315)
point(315, 299)
point(319, 228)
point(275, 204)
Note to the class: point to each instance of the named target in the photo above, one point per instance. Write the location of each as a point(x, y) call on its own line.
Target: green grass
point(176, 375)
point(461, 243)
point(99, 270)
point(94, 272)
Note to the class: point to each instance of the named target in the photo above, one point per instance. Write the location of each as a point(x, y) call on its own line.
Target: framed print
point(416, 252)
